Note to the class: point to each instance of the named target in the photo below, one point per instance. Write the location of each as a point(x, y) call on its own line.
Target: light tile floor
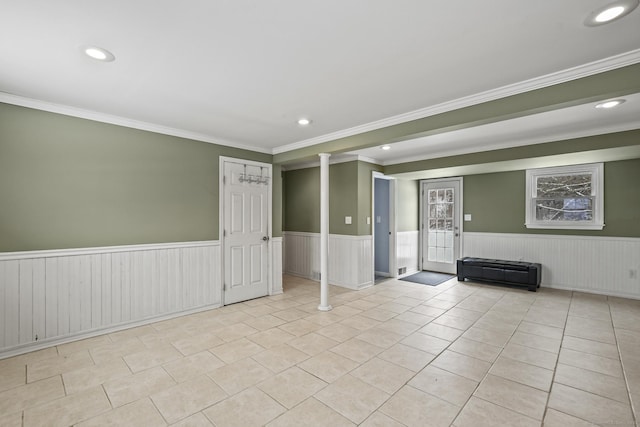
point(396, 354)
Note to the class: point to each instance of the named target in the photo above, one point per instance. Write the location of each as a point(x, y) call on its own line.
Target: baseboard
point(382, 273)
point(602, 265)
point(591, 291)
point(50, 342)
point(408, 273)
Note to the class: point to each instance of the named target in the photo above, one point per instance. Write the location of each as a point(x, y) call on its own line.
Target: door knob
point(265, 238)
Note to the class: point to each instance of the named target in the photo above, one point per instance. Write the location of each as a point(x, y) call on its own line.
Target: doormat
point(429, 278)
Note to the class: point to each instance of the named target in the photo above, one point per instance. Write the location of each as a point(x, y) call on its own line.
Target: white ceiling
point(240, 72)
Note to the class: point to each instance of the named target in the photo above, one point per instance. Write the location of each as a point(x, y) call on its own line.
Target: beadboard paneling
point(350, 258)
point(407, 250)
point(62, 294)
point(350, 261)
point(302, 254)
point(276, 265)
point(591, 264)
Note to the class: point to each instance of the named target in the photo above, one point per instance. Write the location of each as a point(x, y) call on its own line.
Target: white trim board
point(50, 342)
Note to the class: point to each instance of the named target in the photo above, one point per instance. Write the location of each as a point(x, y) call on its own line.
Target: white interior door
point(441, 208)
point(246, 230)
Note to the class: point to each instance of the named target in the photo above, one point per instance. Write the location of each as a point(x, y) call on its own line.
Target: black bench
point(517, 273)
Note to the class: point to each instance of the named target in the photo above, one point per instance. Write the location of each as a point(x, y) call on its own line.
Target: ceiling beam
point(614, 83)
point(598, 148)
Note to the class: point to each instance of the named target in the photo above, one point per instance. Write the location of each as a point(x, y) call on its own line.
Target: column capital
point(324, 154)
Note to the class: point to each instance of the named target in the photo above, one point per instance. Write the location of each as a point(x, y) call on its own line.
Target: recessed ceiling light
point(304, 122)
point(610, 104)
point(610, 12)
point(98, 53)
point(386, 147)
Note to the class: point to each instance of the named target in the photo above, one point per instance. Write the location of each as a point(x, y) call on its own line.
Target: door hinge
point(224, 179)
point(224, 233)
point(224, 287)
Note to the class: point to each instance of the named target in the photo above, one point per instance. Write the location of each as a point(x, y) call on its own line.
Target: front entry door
point(246, 230)
point(440, 224)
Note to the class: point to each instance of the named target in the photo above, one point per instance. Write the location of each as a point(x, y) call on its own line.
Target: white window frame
point(597, 192)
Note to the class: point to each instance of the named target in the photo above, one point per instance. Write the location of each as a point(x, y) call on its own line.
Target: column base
point(325, 308)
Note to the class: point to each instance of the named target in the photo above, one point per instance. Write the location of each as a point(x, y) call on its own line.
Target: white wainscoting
point(350, 258)
point(407, 250)
point(50, 297)
point(302, 254)
point(276, 265)
point(601, 265)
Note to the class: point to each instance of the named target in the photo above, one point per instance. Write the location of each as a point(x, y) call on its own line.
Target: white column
point(324, 232)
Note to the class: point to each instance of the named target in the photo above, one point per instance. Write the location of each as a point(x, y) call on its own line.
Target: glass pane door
point(440, 219)
point(440, 224)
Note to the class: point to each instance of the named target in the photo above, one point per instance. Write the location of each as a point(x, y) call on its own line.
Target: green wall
point(349, 195)
point(408, 208)
point(496, 202)
point(301, 189)
point(343, 198)
point(365, 182)
point(622, 198)
point(276, 219)
point(67, 182)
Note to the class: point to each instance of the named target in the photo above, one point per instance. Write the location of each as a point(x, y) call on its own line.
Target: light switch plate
point(467, 217)
point(347, 220)
point(368, 220)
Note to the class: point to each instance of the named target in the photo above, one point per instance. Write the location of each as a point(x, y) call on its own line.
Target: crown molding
point(585, 70)
point(96, 116)
point(600, 66)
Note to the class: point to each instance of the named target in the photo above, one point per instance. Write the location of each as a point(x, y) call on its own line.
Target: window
point(566, 197)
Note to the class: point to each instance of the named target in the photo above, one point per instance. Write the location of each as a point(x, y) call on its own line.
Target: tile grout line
point(492, 363)
point(406, 383)
point(447, 348)
point(555, 367)
point(624, 371)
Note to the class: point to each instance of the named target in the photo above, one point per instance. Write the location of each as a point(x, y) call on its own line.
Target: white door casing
point(392, 233)
point(246, 219)
point(440, 224)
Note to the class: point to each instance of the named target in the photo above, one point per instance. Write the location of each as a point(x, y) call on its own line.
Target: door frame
point(221, 220)
point(393, 271)
point(459, 213)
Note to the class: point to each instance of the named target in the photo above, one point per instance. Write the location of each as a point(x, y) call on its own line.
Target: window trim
point(597, 188)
